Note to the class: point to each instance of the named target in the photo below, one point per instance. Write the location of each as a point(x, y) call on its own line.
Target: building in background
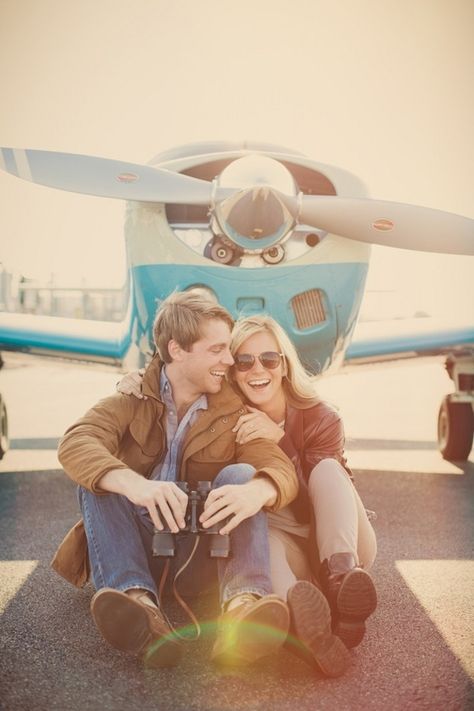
point(23, 295)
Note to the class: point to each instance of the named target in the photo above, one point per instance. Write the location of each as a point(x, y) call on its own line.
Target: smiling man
point(127, 454)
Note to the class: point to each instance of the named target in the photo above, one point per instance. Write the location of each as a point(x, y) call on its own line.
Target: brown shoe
point(251, 630)
point(351, 594)
point(311, 621)
point(133, 626)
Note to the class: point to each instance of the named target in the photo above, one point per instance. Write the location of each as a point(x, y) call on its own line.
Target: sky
point(381, 88)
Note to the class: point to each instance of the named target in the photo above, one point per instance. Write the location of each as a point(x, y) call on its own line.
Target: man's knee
point(234, 474)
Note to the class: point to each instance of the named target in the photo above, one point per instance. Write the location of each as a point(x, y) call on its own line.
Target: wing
point(93, 340)
point(374, 339)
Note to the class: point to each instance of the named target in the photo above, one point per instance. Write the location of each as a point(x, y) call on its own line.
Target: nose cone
point(252, 170)
point(257, 216)
point(254, 218)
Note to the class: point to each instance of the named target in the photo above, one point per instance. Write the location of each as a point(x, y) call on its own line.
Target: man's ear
point(175, 351)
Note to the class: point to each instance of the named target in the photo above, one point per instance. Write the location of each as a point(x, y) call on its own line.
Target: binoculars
point(218, 545)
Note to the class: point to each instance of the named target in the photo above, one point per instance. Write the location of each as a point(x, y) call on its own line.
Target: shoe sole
point(125, 625)
point(259, 634)
point(311, 617)
point(356, 601)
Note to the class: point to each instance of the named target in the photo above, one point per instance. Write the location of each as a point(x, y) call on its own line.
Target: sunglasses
point(246, 361)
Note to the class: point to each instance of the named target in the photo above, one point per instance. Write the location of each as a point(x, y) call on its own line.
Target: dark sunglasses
point(269, 360)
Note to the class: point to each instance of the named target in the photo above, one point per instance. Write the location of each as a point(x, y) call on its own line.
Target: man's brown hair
point(180, 318)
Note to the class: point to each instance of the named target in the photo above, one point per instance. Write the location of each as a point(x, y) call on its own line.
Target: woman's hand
point(256, 424)
point(131, 384)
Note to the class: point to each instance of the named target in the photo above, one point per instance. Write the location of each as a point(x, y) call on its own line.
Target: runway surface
point(419, 650)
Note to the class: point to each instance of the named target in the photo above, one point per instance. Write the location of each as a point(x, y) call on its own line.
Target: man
point(127, 454)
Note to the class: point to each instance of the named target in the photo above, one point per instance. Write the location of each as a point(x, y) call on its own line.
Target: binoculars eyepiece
point(163, 544)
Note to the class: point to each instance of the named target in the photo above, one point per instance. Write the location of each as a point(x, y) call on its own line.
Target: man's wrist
point(267, 488)
point(118, 481)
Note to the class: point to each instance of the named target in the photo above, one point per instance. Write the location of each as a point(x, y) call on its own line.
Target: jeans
point(119, 538)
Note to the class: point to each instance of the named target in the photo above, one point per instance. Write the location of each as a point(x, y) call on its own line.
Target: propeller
point(391, 224)
point(256, 216)
point(104, 177)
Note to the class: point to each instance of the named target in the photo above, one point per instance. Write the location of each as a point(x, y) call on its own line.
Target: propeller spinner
point(256, 215)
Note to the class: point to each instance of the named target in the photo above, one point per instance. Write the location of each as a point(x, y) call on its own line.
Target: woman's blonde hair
point(298, 384)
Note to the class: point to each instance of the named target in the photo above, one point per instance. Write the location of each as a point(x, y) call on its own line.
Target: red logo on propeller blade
point(383, 225)
point(127, 177)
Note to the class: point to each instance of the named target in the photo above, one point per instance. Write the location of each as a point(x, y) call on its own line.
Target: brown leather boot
point(136, 627)
point(351, 594)
point(255, 628)
point(311, 621)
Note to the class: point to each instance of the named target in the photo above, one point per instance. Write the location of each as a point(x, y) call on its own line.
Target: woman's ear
point(284, 368)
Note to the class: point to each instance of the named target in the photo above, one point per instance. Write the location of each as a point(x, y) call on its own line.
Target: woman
point(285, 408)
point(328, 520)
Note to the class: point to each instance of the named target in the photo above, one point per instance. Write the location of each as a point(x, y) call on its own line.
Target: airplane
point(260, 227)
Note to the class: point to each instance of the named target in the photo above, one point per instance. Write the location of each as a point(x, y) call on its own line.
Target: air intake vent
point(308, 308)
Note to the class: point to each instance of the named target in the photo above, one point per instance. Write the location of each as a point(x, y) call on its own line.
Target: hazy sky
point(382, 88)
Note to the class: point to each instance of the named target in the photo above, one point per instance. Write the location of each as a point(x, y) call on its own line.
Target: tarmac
point(419, 649)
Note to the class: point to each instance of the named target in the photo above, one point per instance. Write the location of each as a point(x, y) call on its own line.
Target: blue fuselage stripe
point(247, 291)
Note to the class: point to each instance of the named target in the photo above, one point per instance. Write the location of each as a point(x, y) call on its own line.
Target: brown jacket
point(123, 432)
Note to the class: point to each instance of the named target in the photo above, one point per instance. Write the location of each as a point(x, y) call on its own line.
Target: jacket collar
point(151, 379)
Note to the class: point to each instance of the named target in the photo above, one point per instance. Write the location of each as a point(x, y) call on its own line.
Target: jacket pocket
point(149, 439)
point(220, 449)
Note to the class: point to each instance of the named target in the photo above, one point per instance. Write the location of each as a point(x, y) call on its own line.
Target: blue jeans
point(119, 538)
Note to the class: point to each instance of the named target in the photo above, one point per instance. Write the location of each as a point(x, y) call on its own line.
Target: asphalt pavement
point(419, 649)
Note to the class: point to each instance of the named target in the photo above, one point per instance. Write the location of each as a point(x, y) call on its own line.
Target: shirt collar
point(166, 393)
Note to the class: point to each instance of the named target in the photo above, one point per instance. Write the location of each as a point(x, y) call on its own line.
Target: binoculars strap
point(178, 597)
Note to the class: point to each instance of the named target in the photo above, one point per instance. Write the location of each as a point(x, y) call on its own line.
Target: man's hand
point(256, 424)
point(162, 496)
point(163, 499)
point(237, 501)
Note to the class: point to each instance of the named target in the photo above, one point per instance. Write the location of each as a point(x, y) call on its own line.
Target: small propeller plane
point(261, 228)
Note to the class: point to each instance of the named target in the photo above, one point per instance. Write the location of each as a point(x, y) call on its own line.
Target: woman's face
point(261, 386)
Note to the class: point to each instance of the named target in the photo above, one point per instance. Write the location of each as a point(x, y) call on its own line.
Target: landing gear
point(456, 416)
point(4, 441)
point(455, 429)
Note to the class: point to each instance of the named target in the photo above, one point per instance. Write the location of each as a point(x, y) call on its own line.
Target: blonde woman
point(328, 521)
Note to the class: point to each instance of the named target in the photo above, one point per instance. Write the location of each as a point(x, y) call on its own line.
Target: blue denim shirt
point(167, 469)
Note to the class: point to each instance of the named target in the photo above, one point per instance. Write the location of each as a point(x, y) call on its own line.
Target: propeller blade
point(390, 224)
point(104, 177)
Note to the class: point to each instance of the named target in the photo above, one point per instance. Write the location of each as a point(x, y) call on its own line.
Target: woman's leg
point(347, 549)
point(288, 561)
point(342, 525)
point(310, 613)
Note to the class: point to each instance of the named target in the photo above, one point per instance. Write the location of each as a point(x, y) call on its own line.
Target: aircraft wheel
point(455, 429)
point(4, 441)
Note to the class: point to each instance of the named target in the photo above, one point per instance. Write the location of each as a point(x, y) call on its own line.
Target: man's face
point(203, 368)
